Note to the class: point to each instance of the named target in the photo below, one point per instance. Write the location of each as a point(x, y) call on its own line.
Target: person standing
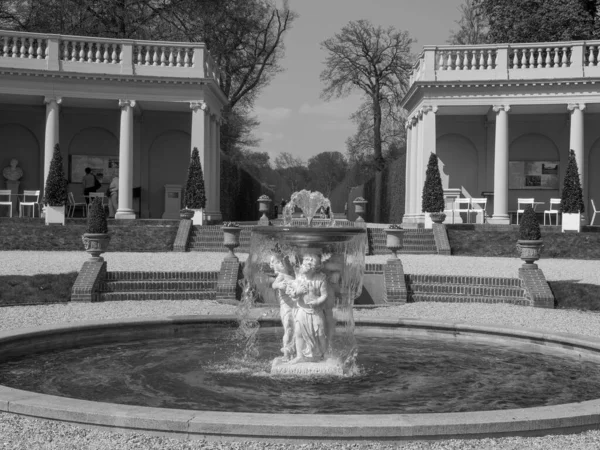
point(89, 183)
point(113, 201)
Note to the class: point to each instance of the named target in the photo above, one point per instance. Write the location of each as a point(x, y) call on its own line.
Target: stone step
point(158, 285)
point(157, 295)
point(467, 290)
point(418, 297)
point(163, 276)
point(463, 280)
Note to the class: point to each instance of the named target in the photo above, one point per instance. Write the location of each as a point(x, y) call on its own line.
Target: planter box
point(198, 218)
point(571, 222)
point(55, 214)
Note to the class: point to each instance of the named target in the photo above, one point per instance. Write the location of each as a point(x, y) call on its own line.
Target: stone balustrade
point(91, 55)
point(554, 60)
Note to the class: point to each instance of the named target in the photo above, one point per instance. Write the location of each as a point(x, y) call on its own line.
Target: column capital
point(125, 103)
point(429, 108)
point(414, 120)
point(574, 106)
point(50, 99)
point(498, 108)
point(196, 105)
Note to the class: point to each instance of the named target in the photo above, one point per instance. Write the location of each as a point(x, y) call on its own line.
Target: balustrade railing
point(102, 55)
point(575, 59)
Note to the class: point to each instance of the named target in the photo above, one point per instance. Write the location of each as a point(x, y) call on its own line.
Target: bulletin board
point(533, 175)
point(103, 167)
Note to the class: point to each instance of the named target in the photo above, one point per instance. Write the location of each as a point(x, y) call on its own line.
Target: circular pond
point(414, 379)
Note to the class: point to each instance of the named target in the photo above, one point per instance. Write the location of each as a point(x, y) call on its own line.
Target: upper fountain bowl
point(309, 236)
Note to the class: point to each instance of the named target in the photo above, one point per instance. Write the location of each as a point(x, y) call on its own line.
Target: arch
point(169, 158)
point(94, 141)
point(533, 147)
point(593, 182)
point(20, 142)
point(458, 162)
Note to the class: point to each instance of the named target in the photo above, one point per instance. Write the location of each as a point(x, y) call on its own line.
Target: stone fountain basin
point(566, 418)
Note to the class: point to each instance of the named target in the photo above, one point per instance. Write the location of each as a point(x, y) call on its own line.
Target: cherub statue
point(283, 278)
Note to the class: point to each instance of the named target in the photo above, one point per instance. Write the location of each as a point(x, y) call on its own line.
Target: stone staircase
point(465, 289)
point(418, 241)
point(158, 286)
point(209, 238)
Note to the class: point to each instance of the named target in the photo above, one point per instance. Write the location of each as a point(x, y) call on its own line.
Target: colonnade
point(421, 140)
point(205, 133)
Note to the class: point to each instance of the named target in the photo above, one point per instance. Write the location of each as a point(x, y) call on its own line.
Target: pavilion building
point(502, 119)
point(132, 108)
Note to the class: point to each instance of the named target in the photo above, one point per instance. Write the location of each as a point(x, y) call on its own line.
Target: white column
point(419, 177)
point(414, 157)
point(125, 210)
point(199, 110)
point(501, 166)
point(52, 131)
point(576, 143)
point(427, 138)
point(216, 148)
point(408, 176)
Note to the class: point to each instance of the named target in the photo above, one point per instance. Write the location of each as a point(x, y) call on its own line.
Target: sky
point(293, 117)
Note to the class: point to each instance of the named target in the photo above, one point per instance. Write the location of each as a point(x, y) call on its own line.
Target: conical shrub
point(55, 192)
point(96, 221)
point(529, 228)
point(571, 201)
point(433, 192)
point(194, 196)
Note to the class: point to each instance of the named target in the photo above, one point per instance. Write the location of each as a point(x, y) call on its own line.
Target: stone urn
point(264, 206)
point(360, 207)
point(394, 239)
point(95, 244)
point(530, 251)
point(231, 238)
point(187, 214)
point(437, 217)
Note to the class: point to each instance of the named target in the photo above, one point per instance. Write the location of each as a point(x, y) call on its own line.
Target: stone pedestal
point(14, 190)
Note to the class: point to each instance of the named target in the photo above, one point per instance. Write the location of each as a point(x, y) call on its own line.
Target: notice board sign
point(533, 175)
point(104, 167)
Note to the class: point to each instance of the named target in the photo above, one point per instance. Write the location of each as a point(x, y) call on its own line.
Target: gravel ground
point(18, 432)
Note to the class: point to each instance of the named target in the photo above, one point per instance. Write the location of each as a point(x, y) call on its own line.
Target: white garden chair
point(5, 200)
point(552, 211)
point(30, 198)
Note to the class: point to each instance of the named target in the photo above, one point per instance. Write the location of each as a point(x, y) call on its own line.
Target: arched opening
point(458, 163)
point(20, 143)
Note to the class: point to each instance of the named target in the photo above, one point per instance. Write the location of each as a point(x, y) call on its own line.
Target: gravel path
point(18, 432)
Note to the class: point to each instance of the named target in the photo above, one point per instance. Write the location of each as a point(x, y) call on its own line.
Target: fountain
point(309, 272)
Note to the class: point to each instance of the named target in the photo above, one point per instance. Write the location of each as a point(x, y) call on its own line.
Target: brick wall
point(86, 287)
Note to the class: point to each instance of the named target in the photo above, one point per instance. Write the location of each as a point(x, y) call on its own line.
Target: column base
point(500, 219)
point(126, 214)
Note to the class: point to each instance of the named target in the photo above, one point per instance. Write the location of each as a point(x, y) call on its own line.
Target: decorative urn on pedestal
point(186, 214)
point(433, 203)
point(530, 242)
point(96, 238)
point(264, 205)
point(360, 207)
point(394, 238)
point(231, 237)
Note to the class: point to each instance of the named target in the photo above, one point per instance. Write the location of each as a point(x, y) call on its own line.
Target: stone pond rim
point(310, 236)
point(191, 424)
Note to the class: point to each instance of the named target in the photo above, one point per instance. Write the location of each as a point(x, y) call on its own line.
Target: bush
point(433, 192)
point(571, 201)
point(96, 221)
point(55, 192)
point(194, 196)
point(529, 228)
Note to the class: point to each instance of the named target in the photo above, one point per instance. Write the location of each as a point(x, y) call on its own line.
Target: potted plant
point(394, 238)
point(571, 201)
point(231, 237)
point(432, 203)
point(96, 237)
point(264, 202)
point(360, 207)
point(55, 191)
point(194, 196)
point(530, 238)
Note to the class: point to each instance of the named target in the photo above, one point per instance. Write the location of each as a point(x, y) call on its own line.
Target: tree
point(373, 60)
point(293, 170)
point(55, 191)
point(327, 170)
point(539, 20)
point(571, 201)
point(433, 192)
point(254, 162)
point(194, 196)
point(472, 26)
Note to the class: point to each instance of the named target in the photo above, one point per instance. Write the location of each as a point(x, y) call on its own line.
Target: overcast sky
point(293, 117)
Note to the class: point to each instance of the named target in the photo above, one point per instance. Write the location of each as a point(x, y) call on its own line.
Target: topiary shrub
point(529, 228)
point(571, 201)
point(55, 191)
point(96, 221)
point(433, 192)
point(194, 196)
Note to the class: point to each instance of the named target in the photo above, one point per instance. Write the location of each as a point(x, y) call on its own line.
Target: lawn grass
point(581, 296)
point(36, 289)
point(473, 242)
point(33, 234)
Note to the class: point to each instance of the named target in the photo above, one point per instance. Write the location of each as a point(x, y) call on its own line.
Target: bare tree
point(373, 60)
point(293, 170)
point(472, 26)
